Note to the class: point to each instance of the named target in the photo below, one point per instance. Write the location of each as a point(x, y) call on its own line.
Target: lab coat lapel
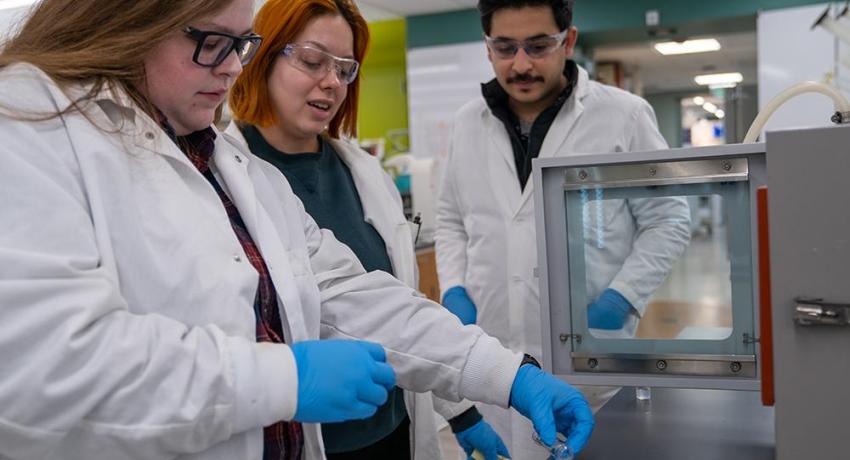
point(233, 169)
point(379, 209)
point(556, 137)
point(502, 171)
point(247, 186)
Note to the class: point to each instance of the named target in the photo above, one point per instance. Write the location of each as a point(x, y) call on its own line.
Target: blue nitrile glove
point(609, 311)
point(552, 405)
point(457, 301)
point(340, 380)
point(481, 436)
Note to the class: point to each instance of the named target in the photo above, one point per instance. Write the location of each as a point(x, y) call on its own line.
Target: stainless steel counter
point(683, 424)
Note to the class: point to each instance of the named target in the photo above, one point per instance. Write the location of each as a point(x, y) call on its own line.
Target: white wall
point(11, 18)
point(441, 79)
point(790, 52)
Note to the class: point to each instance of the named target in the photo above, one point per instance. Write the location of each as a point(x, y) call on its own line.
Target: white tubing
point(841, 104)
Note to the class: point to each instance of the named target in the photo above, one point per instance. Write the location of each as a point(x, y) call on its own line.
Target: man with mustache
point(541, 104)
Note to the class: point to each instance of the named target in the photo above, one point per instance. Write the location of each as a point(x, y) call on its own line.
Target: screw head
point(727, 166)
point(582, 174)
point(653, 171)
point(592, 363)
point(735, 366)
point(563, 337)
point(661, 364)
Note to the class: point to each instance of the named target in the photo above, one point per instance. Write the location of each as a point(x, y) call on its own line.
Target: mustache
point(525, 78)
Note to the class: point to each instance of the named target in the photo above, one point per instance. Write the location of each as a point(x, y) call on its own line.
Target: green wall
point(592, 17)
point(668, 111)
point(383, 85)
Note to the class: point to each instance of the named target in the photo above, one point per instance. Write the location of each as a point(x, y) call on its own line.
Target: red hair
point(279, 22)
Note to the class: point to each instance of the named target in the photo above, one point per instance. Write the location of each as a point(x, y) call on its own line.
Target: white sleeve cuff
point(489, 372)
point(449, 283)
point(450, 409)
point(626, 291)
point(265, 383)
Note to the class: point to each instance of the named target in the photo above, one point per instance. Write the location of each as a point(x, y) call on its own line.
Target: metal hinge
point(748, 339)
point(565, 337)
point(816, 312)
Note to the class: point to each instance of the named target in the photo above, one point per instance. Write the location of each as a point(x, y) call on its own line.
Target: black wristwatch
point(528, 359)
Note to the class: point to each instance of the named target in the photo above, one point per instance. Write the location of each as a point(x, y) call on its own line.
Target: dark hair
point(562, 10)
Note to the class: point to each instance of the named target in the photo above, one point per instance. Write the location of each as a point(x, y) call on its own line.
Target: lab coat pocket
point(412, 230)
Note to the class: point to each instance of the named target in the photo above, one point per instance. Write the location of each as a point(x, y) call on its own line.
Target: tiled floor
point(697, 295)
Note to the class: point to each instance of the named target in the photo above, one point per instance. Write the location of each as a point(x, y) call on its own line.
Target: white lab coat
point(485, 234)
point(127, 329)
point(383, 209)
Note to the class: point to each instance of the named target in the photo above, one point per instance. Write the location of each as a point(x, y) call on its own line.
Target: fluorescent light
point(9, 4)
point(719, 78)
point(723, 86)
point(699, 100)
point(709, 107)
point(720, 114)
point(688, 46)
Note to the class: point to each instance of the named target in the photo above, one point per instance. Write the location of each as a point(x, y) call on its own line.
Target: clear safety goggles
point(318, 63)
point(537, 47)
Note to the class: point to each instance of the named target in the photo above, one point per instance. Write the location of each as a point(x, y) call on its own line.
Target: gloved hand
point(609, 311)
point(481, 436)
point(340, 380)
point(457, 301)
point(552, 406)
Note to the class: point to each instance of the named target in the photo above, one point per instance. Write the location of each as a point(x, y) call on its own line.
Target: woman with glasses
point(160, 296)
point(293, 104)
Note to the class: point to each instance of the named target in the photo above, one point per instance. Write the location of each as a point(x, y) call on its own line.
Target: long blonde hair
point(100, 42)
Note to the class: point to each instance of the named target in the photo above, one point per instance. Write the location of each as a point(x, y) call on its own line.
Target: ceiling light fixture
point(688, 46)
point(716, 79)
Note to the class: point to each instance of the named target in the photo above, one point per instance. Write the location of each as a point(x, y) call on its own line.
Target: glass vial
point(643, 393)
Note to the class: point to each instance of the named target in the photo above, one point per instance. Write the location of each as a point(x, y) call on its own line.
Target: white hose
point(841, 104)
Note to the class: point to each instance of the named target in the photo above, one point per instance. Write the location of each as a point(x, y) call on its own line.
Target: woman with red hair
point(293, 104)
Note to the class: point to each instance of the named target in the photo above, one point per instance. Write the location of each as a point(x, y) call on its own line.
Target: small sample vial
point(643, 393)
point(559, 451)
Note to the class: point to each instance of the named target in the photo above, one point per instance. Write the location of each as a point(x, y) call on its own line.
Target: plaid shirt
point(283, 440)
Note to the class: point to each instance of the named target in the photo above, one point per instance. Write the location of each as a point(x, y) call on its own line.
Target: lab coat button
point(149, 135)
point(237, 258)
point(238, 159)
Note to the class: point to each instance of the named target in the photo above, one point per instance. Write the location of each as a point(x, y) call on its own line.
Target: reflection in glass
point(655, 267)
point(695, 301)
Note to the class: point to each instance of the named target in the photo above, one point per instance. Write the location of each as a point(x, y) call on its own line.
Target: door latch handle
point(816, 312)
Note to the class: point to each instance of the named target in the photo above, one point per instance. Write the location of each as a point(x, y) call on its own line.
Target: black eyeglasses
point(214, 47)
